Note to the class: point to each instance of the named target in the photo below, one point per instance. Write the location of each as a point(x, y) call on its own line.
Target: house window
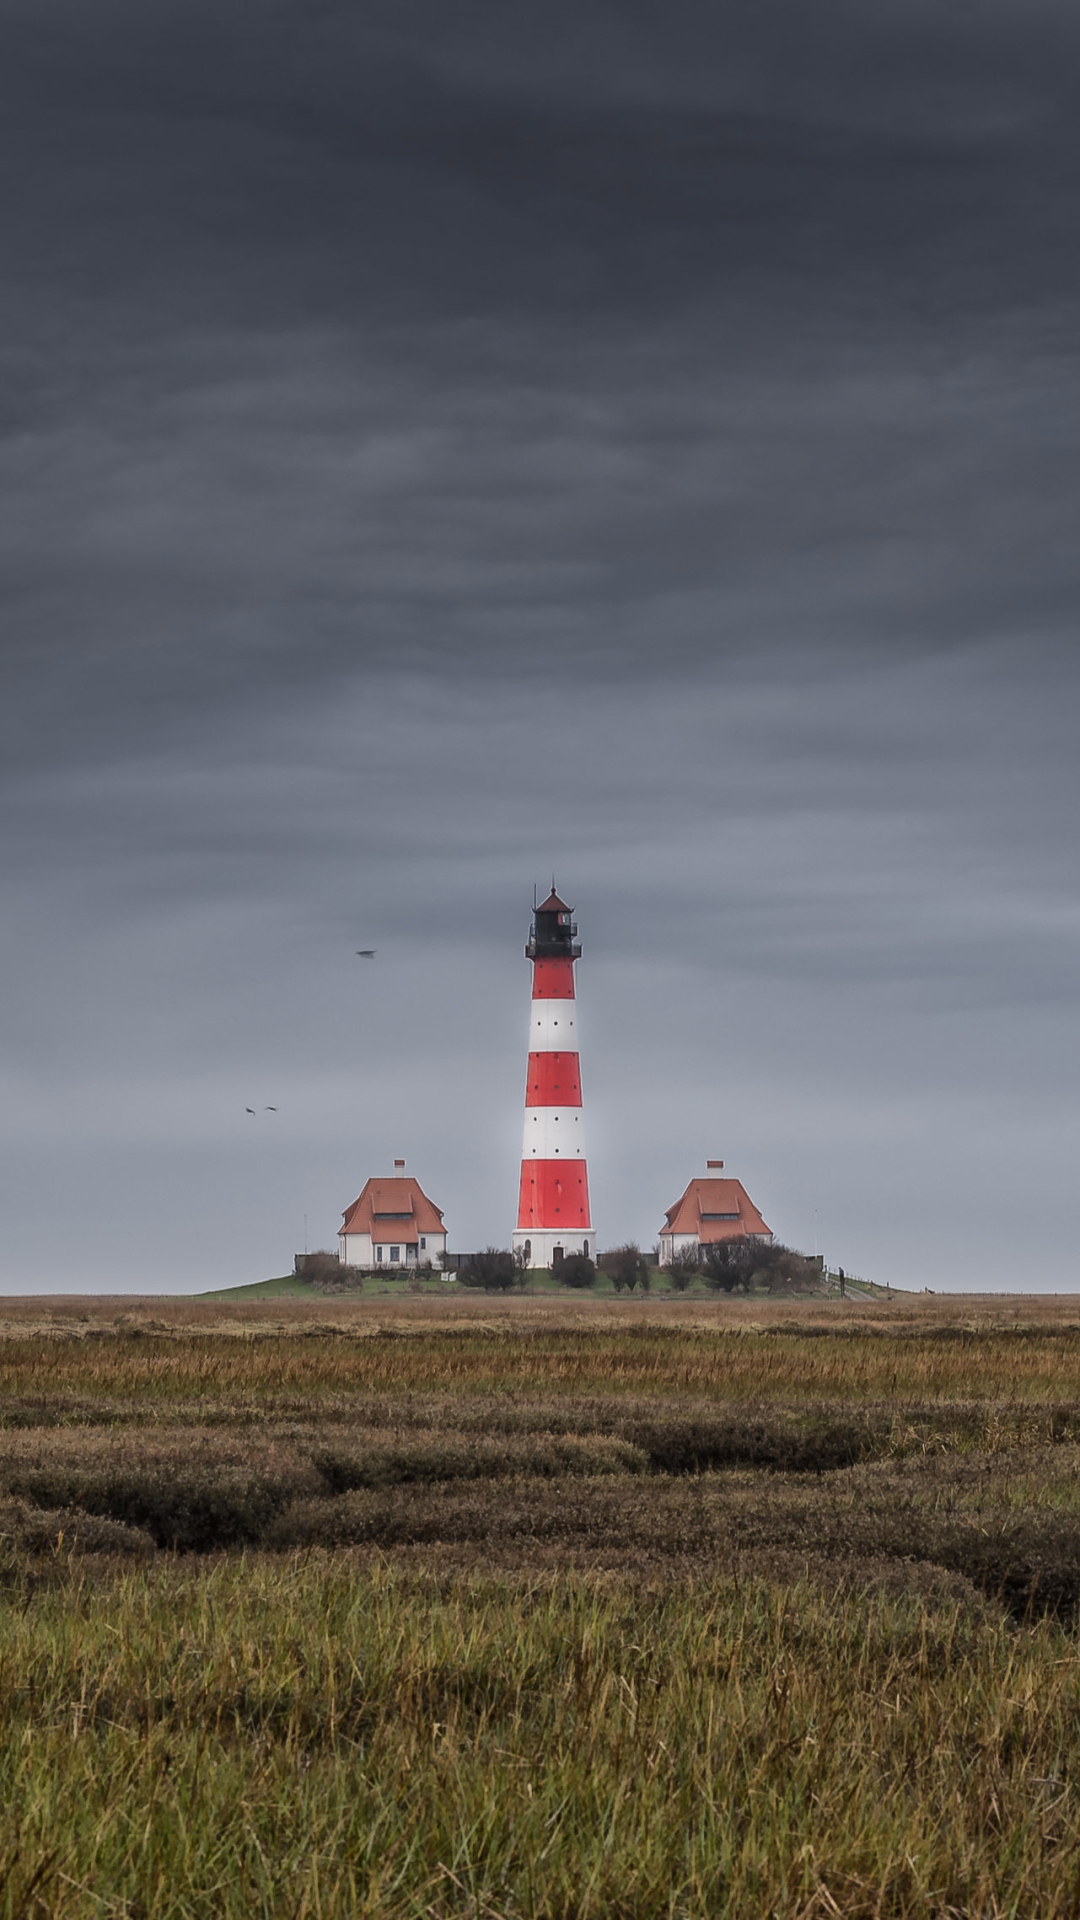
point(395, 1254)
point(378, 1253)
point(423, 1244)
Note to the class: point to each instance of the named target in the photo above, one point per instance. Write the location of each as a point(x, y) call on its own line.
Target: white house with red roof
point(392, 1224)
point(713, 1208)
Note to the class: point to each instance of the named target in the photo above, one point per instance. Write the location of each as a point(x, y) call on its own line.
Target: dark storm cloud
point(336, 334)
point(563, 162)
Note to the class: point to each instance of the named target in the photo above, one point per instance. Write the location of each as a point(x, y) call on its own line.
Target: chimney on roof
point(715, 1166)
point(399, 1166)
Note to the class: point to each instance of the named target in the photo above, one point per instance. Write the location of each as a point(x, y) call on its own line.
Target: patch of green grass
point(285, 1286)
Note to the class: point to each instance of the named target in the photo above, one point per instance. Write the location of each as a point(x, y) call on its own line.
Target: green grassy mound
point(285, 1286)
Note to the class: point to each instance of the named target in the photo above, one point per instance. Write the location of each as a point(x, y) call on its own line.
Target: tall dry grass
point(309, 1737)
point(64, 1372)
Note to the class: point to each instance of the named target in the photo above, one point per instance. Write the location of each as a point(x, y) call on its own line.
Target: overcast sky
point(441, 446)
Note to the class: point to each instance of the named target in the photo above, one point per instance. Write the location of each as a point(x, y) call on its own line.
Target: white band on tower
point(553, 1133)
point(553, 1026)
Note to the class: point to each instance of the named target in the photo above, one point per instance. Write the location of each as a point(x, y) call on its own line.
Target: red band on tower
point(554, 1196)
point(554, 1080)
point(553, 979)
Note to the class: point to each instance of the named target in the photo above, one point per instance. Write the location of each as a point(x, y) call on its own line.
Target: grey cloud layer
point(432, 333)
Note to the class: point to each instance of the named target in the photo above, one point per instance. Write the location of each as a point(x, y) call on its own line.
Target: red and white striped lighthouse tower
point(553, 1209)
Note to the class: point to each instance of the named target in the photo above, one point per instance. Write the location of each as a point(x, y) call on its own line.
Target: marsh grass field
point(540, 1609)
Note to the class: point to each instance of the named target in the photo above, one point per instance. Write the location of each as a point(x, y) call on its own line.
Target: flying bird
point(269, 1109)
point(250, 1110)
point(366, 953)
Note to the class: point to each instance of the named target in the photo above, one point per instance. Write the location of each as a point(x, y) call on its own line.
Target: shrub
point(785, 1270)
point(576, 1270)
point(326, 1273)
point(493, 1271)
point(729, 1264)
point(313, 1267)
point(745, 1263)
point(627, 1267)
point(683, 1269)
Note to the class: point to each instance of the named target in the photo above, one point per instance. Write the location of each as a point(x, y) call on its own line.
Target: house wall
point(735, 1232)
point(358, 1249)
point(436, 1245)
point(355, 1249)
point(672, 1244)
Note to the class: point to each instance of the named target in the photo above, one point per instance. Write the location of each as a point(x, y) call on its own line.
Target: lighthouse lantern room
point(553, 1205)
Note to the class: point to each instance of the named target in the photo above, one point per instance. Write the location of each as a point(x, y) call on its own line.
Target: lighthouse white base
point(538, 1245)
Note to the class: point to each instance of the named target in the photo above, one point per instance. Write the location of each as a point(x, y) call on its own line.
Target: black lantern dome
point(554, 931)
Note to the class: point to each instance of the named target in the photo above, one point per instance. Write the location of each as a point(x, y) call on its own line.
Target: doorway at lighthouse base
point(545, 1249)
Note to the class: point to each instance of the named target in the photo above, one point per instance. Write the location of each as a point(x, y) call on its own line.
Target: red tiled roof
point(404, 1198)
point(553, 904)
point(714, 1210)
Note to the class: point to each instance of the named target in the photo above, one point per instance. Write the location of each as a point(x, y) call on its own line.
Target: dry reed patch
point(862, 1483)
point(1029, 1563)
point(77, 1315)
point(28, 1532)
point(856, 1365)
point(194, 1492)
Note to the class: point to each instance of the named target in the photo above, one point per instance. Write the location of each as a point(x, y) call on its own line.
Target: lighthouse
point(553, 1207)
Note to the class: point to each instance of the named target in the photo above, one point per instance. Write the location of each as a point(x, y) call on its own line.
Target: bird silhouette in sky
point(366, 953)
point(250, 1110)
point(269, 1109)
